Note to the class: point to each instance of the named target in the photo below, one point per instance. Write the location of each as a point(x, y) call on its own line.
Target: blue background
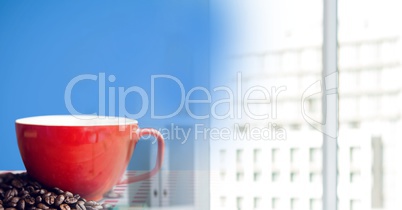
point(44, 44)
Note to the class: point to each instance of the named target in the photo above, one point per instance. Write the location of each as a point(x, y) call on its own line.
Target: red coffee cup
point(83, 154)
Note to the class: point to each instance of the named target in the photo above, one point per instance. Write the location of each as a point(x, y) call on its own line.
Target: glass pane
point(273, 156)
point(369, 105)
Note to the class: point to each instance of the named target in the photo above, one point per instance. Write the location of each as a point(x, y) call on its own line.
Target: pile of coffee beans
point(20, 192)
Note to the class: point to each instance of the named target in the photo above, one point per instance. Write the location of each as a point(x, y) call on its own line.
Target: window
point(275, 203)
point(239, 176)
point(355, 205)
point(275, 155)
point(315, 204)
point(354, 124)
point(242, 128)
point(294, 204)
point(223, 175)
point(312, 177)
point(315, 177)
point(257, 203)
point(257, 155)
point(294, 155)
point(354, 152)
point(239, 203)
point(223, 201)
point(354, 176)
point(275, 176)
point(294, 176)
point(222, 154)
point(239, 156)
point(314, 155)
point(257, 176)
point(295, 126)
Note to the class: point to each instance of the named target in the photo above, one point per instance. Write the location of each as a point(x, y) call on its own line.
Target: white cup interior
point(76, 120)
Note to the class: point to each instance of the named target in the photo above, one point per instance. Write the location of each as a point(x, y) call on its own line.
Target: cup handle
point(159, 158)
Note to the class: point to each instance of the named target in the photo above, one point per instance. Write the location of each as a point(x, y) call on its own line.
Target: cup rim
point(76, 120)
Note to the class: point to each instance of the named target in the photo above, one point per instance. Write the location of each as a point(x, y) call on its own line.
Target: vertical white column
point(330, 105)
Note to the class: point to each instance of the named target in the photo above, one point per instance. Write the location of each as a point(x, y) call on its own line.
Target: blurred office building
point(286, 173)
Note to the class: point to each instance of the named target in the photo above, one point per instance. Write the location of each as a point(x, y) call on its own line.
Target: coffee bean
point(17, 183)
point(21, 205)
point(70, 200)
point(68, 194)
point(53, 197)
point(58, 191)
point(59, 200)
point(81, 205)
point(11, 204)
point(49, 200)
point(7, 198)
point(38, 199)
point(91, 203)
point(30, 189)
point(76, 196)
point(42, 191)
point(94, 207)
point(9, 194)
point(34, 184)
point(65, 207)
point(15, 199)
point(35, 192)
point(15, 192)
point(42, 206)
point(47, 194)
point(29, 200)
point(21, 192)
